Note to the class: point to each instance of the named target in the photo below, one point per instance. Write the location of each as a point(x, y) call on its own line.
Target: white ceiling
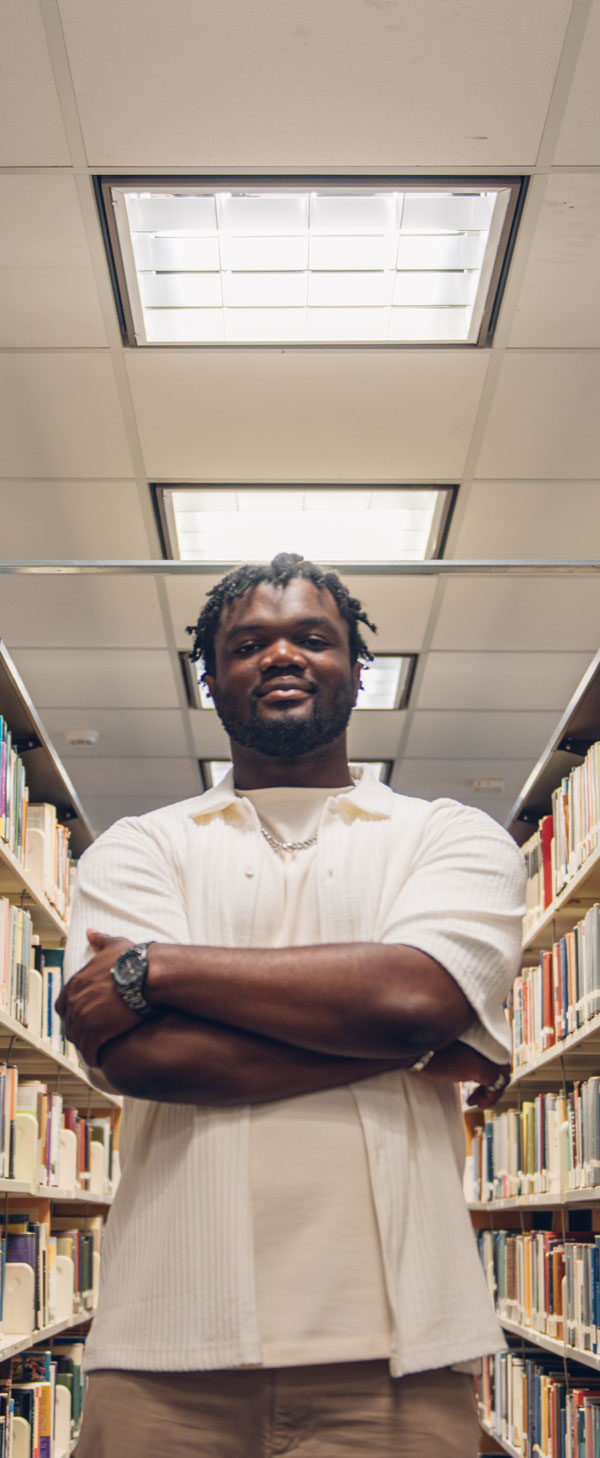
point(354, 86)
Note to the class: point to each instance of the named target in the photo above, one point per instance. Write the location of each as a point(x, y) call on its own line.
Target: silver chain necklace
point(288, 845)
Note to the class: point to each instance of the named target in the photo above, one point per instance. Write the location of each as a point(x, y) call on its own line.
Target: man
point(287, 974)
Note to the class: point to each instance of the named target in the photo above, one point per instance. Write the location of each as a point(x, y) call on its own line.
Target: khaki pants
point(331, 1411)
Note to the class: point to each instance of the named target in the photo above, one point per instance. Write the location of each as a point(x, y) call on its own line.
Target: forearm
point(360, 1000)
point(177, 1059)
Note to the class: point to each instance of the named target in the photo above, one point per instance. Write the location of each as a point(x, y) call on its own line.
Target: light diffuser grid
point(384, 683)
point(338, 526)
point(214, 770)
point(283, 265)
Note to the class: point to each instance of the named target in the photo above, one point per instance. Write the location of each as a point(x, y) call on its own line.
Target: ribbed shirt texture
point(177, 1285)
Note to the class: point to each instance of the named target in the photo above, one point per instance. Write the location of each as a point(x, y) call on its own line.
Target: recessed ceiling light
point(351, 262)
point(385, 683)
point(343, 525)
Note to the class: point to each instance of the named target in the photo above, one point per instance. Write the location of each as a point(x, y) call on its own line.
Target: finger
point(99, 940)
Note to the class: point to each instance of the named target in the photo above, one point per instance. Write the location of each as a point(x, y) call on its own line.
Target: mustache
point(259, 689)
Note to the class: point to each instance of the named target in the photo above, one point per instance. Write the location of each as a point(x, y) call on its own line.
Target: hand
point(459, 1063)
point(92, 1009)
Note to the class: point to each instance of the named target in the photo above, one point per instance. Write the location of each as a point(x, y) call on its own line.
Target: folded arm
point(177, 1059)
point(186, 1057)
point(351, 1000)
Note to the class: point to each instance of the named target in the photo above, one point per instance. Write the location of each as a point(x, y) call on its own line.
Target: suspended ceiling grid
point(86, 424)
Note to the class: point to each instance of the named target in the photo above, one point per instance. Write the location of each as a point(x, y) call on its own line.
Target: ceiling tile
point(400, 606)
point(414, 85)
point(80, 612)
point(31, 129)
point(123, 732)
point(48, 292)
point(432, 779)
point(378, 737)
point(168, 779)
point(94, 678)
point(544, 418)
point(551, 614)
point(305, 414)
point(210, 738)
point(501, 680)
point(60, 416)
point(104, 810)
point(529, 519)
point(58, 520)
point(579, 139)
point(478, 734)
point(559, 302)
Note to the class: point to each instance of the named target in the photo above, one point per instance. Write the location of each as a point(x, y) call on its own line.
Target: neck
point(325, 768)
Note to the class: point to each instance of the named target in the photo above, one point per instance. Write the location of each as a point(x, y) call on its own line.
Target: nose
point(281, 653)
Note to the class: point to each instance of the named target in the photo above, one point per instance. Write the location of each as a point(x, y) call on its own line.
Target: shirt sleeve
point(463, 904)
point(127, 885)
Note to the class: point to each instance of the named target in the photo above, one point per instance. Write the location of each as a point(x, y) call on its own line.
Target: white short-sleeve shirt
point(178, 1283)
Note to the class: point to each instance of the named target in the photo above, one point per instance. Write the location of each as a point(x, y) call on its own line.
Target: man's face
point(283, 684)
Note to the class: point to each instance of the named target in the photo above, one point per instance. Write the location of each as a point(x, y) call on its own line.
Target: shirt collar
point(369, 797)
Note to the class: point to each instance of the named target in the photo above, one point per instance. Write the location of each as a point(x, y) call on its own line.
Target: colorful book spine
point(564, 840)
point(550, 1145)
point(559, 994)
point(546, 1282)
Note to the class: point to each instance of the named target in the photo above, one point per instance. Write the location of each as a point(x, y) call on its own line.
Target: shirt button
point(249, 871)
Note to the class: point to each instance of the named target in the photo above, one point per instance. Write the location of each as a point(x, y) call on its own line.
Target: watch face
point(129, 974)
point(129, 968)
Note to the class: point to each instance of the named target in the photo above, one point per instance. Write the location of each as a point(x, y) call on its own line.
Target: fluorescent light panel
point(346, 525)
point(385, 682)
point(324, 265)
point(214, 770)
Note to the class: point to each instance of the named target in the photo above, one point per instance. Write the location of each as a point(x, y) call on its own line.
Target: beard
point(287, 736)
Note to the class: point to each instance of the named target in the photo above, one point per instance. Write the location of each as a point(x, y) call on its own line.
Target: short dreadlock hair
point(284, 567)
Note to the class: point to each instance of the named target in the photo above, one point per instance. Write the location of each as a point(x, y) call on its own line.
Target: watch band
point(129, 976)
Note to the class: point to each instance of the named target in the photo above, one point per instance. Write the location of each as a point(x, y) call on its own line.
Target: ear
point(356, 668)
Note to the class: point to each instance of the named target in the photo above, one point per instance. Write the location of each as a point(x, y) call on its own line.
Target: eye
point(244, 650)
point(314, 642)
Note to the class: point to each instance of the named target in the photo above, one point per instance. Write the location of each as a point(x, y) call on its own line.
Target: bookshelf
point(46, 776)
point(578, 728)
point(16, 883)
point(10, 1345)
point(566, 1214)
point(47, 1143)
point(38, 1059)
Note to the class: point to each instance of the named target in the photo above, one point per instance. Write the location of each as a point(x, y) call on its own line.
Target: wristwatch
point(129, 975)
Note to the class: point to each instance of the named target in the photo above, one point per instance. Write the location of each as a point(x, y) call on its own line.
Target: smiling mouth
point(285, 693)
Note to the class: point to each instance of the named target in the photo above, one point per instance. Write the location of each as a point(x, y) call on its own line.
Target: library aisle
point(318, 280)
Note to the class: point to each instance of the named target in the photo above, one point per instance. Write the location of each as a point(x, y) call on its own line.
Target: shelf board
point(568, 907)
point(49, 1192)
point(579, 723)
point(38, 1060)
point(548, 1344)
point(46, 776)
point(10, 1345)
point(504, 1443)
point(16, 882)
point(568, 1198)
point(580, 1052)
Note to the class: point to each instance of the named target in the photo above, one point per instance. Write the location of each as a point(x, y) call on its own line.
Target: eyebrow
point(303, 623)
